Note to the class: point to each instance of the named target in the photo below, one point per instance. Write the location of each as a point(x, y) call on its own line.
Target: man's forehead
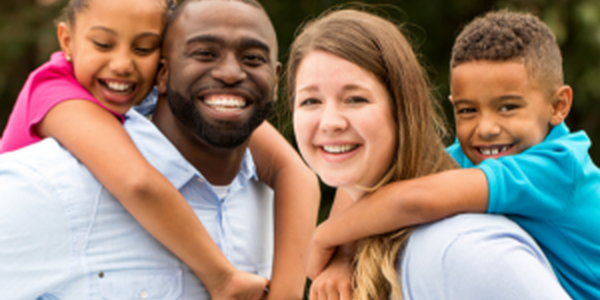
point(214, 17)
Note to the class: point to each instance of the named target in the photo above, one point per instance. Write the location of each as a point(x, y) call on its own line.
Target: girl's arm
point(297, 197)
point(400, 204)
point(100, 142)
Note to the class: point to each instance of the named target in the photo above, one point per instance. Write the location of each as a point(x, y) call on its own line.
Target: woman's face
point(343, 122)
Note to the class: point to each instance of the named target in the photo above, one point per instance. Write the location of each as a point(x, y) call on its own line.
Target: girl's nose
point(488, 128)
point(122, 64)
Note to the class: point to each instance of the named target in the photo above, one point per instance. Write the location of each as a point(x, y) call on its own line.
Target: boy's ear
point(63, 31)
point(561, 104)
point(162, 76)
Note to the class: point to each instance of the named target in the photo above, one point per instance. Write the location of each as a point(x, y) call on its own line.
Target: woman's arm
point(400, 204)
point(100, 142)
point(297, 197)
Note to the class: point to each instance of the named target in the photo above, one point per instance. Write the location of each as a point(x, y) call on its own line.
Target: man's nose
point(229, 70)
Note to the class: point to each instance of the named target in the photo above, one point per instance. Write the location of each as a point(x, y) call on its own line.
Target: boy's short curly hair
point(512, 36)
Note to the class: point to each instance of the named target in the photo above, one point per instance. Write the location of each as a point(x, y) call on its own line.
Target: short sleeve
point(539, 183)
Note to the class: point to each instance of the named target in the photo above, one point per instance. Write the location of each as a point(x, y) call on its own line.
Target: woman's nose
point(333, 119)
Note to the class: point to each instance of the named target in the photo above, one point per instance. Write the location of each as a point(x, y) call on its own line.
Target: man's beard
point(187, 113)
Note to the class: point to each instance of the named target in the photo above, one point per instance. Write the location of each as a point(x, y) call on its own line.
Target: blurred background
point(27, 38)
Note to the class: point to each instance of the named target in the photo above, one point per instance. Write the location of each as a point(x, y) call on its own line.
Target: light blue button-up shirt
point(63, 236)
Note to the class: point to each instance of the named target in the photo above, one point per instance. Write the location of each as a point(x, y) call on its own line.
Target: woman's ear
point(561, 104)
point(162, 76)
point(64, 38)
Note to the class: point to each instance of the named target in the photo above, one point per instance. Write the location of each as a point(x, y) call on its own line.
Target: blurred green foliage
point(27, 37)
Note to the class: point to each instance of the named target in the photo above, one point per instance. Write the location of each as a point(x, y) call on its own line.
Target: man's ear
point(276, 88)
point(162, 76)
point(63, 31)
point(561, 104)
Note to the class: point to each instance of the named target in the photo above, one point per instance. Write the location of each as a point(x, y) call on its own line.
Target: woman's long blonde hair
point(378, 46)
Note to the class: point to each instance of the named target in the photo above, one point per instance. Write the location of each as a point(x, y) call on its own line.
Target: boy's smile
point(499, 110)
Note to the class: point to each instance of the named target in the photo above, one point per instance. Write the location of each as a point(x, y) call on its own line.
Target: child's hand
point(335, 282)
point(317, 256)
point(241, 286)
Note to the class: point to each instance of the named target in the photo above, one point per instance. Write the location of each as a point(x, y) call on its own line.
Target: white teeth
point(120, 87)
point(338, 148)
point(493, 151)
point(225, 104)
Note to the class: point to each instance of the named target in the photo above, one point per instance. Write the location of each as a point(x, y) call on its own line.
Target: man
point(64, 236)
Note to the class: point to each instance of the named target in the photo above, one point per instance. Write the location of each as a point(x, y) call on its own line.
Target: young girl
point(108, 63)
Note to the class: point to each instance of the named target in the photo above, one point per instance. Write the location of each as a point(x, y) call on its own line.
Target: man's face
point(222, 70)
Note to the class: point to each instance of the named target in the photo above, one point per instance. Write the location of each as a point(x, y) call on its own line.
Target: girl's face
point(343, 122)
point(114, 46)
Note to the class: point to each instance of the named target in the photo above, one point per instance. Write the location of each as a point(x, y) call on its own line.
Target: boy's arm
point(297, 198)
point(335, 282)
point(400, 204)
point(100, 142)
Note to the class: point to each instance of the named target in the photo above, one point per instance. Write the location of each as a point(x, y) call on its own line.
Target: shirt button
point(143, 294)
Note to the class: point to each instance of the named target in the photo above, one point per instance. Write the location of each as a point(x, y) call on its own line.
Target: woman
point(363, 118)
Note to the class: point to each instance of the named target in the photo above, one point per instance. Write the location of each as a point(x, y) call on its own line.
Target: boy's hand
point(241, 286)
point(317, 256)
point(335, 282)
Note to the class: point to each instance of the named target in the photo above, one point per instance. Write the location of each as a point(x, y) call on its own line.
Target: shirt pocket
point(146, 284)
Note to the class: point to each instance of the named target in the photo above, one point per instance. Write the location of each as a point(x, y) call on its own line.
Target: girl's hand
point(335, 282)
point(241, 286)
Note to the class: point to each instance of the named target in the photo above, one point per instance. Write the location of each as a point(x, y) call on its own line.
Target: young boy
point(509, 102)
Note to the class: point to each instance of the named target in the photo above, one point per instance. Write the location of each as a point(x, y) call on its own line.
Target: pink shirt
point(50, 84)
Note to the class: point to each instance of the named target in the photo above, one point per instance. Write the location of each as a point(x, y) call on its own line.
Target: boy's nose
point(229, 70)
point(488, 128)
point(332, 120)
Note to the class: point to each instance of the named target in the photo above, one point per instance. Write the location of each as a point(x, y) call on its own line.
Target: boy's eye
point(466, 110)
point(508, 107)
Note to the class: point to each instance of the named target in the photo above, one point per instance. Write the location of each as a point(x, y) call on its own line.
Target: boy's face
point(498, 110)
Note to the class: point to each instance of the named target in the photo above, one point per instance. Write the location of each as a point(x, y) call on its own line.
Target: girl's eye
point(101, 45)
point(145, 50)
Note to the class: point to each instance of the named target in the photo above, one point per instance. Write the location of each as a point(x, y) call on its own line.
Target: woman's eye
point(357, 100)
point(309, 101)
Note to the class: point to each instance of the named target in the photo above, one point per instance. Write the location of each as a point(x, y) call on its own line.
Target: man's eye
point(204, 54)
point(255, 59)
